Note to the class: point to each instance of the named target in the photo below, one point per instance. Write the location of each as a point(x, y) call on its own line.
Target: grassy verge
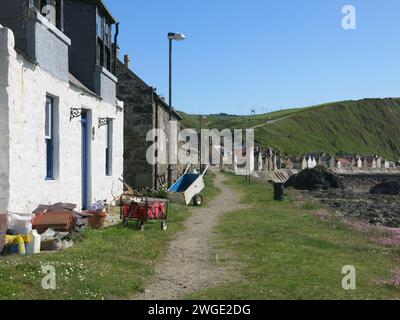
point(211, 191)
point(286, 251)
point(111, 263)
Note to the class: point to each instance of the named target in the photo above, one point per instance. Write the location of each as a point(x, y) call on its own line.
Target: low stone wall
point(278, 176)
point(367, 171)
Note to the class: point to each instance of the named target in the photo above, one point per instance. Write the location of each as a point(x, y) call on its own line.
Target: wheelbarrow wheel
point(198, 200)
point(164, 225)
point(140, 226)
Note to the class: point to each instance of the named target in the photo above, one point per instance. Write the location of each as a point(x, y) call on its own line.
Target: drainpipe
point(116, 46)
point(62, 15)
point(154, 97)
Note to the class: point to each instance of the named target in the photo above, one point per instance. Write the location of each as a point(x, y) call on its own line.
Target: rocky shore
point(355, 200)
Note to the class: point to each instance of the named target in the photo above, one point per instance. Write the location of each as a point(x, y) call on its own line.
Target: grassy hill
point(366, 126)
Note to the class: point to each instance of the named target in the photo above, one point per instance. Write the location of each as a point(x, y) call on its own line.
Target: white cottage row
point(59, 141)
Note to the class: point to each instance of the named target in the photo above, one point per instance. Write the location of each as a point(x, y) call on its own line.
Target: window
point(104, 41)
point(49, 137)
point(109, 147)
point(100, 26)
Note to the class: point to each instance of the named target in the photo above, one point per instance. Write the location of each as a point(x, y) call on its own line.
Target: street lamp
point(171, 37)
point(200, 137)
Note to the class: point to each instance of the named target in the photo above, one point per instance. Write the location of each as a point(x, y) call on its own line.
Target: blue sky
point(266, 54)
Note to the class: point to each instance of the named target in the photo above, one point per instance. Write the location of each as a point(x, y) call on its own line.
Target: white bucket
point(20, 225)
point(33, 246)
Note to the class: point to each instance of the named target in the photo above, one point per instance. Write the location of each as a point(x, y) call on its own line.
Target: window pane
point(49, 139)
point(48, 118)
point(100, 26)
point(109, 147)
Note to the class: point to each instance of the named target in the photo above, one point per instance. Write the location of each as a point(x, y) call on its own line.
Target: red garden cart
point(143, 210)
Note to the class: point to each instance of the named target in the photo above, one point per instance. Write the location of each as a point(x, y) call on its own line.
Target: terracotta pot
point(96, 219)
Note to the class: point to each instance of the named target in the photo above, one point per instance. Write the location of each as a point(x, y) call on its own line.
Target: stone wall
point(140, 105)
point(28, 86)
point(163, 123)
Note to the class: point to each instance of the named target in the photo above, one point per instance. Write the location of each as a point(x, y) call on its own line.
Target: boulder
point(316, 178)
point(390, 187)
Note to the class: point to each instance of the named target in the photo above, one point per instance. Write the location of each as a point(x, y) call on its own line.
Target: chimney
point(127, 60)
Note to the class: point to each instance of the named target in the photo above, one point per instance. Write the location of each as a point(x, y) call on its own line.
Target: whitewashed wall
point(6, 41)
point(26, 98)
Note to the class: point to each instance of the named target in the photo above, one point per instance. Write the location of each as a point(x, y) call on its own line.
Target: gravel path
point(189, 264)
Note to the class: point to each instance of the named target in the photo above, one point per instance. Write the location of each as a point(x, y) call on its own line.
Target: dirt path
point(270, 122)
point(189, 264)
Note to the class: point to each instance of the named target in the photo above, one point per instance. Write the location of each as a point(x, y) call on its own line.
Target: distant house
point(342, 163)
point(379, 162)
point(386, 164)
point(287, 164)
point(258, 159)
point(370, 162)
point(304, 163)
point(392, 164)
point(359, 163)
point(296, 161)
point(270, 160)
point(312, 162)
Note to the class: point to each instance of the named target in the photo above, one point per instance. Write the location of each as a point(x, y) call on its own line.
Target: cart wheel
point(164, 225)
point(125, 223)
point(198, 200)
point(140, 226)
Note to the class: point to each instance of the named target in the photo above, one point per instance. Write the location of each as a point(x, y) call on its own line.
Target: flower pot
point(96, 219)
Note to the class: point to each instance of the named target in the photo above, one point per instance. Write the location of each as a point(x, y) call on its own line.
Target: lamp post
point(200, 141)
point(171, 37)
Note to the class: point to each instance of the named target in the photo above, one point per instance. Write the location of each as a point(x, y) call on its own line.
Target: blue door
point(85, 160)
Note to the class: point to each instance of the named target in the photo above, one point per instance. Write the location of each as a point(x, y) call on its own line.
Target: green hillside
point(367, 126)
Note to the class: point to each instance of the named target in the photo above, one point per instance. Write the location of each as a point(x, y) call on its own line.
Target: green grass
point(282, 250)
point(211, 192)
point(111, 263)
point(368, 126)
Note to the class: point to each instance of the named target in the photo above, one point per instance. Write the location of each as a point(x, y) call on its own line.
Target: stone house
point(311, 162)
point(371, 162)
point(144, 110)
point(287, 164)
point(271, 160)
point(61, 125)
point(258, 159)
point(342, 163)
point(296, 161)
point(359, 163)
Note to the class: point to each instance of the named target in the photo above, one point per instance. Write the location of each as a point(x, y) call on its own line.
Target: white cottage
point(61, 133)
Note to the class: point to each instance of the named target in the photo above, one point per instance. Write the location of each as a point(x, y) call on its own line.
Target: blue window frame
point(49, 137)
point(109, 147)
